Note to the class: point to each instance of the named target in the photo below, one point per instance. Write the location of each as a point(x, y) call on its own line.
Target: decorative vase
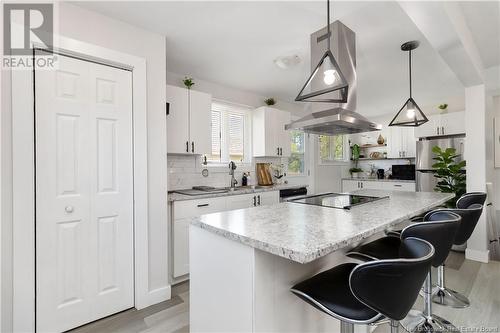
point(380, 139)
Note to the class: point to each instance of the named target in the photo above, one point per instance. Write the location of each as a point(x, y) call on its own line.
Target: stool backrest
point(471, 198)
point(470, 217)
point(391, 287)
point(439, 230)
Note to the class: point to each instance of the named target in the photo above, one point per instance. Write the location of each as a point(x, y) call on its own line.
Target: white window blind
point(216, 134)
point(229, 135)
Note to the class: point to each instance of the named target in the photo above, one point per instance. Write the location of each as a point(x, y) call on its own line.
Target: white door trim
point(23, 184)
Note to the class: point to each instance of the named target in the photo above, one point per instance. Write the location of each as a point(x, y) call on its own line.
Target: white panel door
point(84, 194)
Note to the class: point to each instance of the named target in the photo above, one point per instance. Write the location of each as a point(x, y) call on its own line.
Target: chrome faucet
point(232, 167)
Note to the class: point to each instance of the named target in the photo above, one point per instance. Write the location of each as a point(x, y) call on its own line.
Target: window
point(296, 161)
point(230, 134)
point(331, 148)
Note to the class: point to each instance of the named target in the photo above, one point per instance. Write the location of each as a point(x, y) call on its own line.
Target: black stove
point(336, 200)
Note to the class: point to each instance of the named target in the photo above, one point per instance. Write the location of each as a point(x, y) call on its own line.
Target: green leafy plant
point(449, 172)
point(270, 101)
point(443, 106)
point(188, 82)
point(355, 152)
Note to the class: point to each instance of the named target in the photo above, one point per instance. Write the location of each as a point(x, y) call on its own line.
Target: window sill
point(333, 163)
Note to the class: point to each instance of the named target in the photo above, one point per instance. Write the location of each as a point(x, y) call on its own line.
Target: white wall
point(476, 130)
point(495, 106)
point(230, 94)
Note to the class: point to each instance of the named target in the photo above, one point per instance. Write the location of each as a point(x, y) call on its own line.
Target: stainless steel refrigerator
point(423, 164)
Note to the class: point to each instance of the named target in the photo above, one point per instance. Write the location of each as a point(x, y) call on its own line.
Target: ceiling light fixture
point(286, 62)
point(326, 77)
point(410, 114)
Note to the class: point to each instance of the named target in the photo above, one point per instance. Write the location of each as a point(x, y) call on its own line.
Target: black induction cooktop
point(336, 200)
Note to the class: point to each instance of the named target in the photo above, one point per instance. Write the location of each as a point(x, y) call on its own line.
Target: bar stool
point(470, 216)
point(438, 229)
point(361, 293)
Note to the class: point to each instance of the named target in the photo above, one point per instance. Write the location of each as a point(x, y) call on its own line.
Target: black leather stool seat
point(382, 248)
point(330, 292)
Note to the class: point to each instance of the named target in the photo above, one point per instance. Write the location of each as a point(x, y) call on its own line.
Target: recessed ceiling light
point(286, 62)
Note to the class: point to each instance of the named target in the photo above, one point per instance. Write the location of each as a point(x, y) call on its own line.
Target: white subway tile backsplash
point(185, 171)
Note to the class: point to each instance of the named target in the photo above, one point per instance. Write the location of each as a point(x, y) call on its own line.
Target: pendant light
point(326, 76)
point(410, 114)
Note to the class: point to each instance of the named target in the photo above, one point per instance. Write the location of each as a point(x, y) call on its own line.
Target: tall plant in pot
point(355, 151)
point(450, 173)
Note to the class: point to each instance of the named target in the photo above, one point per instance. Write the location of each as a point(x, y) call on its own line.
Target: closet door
point(84, 194)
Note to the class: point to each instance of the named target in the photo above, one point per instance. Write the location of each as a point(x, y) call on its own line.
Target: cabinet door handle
point(277, 151)
point(258, 200)
point(254, 201)
point(442, 130)
point(187, 146)
point(192, 147)
point(203, 205)
point(281, 151)
point(398, 185)
point(361, 184)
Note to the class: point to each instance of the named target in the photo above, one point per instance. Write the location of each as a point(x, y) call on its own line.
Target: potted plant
point(450, 173)
point(443, 108)
point(188, 82)
point(355, 151)
point(270, 101)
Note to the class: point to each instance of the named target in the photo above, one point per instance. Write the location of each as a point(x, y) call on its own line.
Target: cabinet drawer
point(191, 208)
point(395, 186)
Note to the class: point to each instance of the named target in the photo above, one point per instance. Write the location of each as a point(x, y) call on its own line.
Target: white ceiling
point(483, 21)
point(234, 43)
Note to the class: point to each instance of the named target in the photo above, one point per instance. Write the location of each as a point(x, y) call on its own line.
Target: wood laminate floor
point(480, 282)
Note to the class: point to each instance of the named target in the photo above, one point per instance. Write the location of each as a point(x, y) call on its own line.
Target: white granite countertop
point(241, 190)
point(303, 233)
point(380, 180)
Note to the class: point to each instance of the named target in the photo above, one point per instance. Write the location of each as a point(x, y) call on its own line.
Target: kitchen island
point(243, 262)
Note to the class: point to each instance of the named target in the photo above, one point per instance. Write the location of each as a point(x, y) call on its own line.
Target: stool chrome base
point(448, 297)
point(416, 321)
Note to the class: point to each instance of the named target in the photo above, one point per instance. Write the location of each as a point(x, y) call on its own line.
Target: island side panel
point(221, 283)
point(276, 309)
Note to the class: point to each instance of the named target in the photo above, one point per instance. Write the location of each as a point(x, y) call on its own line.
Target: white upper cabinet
point(188, 121)
point(269, 135)
point(401, 142)
point(443, 124)
point(200, 122)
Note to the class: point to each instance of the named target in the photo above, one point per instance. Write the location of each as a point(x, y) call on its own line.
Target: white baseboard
point(153, 297)
point(477, 255)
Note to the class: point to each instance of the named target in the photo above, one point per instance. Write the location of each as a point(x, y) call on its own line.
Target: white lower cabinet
point(398, 186)
point(196, 207)
point(180, 227)
point(349, 185)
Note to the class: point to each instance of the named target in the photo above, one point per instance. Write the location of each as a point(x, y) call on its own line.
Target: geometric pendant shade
point(326, 83)
point(409, 115)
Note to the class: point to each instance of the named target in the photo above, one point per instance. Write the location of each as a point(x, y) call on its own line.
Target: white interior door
point(84, 194)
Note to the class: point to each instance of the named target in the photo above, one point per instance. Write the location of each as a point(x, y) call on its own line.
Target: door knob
point(69, 209)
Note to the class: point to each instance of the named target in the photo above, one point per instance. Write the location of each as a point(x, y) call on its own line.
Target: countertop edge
point(172, 196)
point(306, 257)
point(381, 180)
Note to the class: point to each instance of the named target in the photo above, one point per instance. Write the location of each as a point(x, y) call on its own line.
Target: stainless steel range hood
point(334, 122)
point(328, 118)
